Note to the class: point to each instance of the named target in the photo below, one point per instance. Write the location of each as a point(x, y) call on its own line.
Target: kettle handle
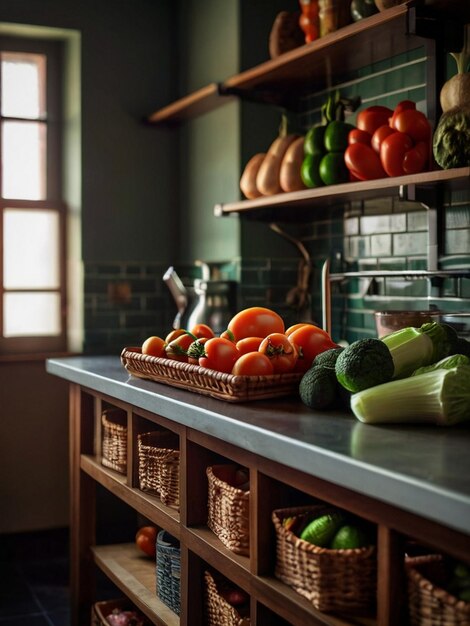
point(177, 289)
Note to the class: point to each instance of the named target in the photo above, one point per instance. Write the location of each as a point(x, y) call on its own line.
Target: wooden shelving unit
point(271, 486)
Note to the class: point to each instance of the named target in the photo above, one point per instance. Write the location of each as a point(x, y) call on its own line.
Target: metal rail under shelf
point(328, 278)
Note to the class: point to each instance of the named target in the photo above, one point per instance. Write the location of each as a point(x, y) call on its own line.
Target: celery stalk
point(440, 397)
point(410, 348)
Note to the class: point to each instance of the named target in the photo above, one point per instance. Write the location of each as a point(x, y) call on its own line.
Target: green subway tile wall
point(127, 302)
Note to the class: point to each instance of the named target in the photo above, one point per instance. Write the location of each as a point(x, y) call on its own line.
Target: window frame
point(53, 49)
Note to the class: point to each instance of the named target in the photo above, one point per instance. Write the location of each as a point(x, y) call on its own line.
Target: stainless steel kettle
point(211, 302)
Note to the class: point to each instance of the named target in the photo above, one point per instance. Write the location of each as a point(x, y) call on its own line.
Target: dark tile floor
point(34, 575)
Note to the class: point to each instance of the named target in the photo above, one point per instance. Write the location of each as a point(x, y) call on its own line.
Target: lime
point(349, 537)
point(322, 529)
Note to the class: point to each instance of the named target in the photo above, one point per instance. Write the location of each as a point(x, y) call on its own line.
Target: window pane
point(31, 314)
point(24, 160)
point(23, 85)
point(31, 249)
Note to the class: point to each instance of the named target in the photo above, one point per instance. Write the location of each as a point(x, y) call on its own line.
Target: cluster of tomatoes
point(256, 343)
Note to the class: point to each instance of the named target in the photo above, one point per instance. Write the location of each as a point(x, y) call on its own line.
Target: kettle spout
point(177, 290)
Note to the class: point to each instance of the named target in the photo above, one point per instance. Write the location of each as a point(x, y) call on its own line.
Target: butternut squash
point(248, 179)
point(267, 180)
point(289, 175)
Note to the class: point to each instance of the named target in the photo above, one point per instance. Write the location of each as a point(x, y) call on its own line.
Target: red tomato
point(219, 354)
point(146, 539)
point(154, 346)
point(202, 330)
point(415, 159)
point(255, 321)
point(379, 136)
point(249, 344)
point(359, 136)
point(310, 341)
point(178, 348)
point(371, 118)
point(282, 353)
point(414, 124)
point(253, 364)
point(392, 153)
point(363, 162)
point(173, 334)
point(196, 350)
point(404, 105)
point(291, 329)
point(227, 334)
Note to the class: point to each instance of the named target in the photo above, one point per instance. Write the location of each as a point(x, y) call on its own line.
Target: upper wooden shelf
point(307, 68)
point(298, 205)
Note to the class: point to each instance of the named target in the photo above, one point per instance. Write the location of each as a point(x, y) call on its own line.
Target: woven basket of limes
point(327, 556)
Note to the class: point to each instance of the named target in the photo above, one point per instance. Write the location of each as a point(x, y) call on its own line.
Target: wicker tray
point(209, 382)
point(428, 603)
point(332, 580)
point(228, 509)
point(159, 465)
point(218, 611)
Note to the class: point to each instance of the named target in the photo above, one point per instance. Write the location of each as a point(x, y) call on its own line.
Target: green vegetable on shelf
point(310, 170)
point(447, 363)
point(440, 397)
point(319, 388)
point(369, 362)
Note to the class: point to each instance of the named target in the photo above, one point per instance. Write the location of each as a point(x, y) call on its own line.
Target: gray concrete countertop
point(422, 469)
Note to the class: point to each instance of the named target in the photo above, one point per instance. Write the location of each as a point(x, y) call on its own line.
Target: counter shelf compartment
point(159, 465)
point(219, 612)
point(114, 439)
point(332, 580)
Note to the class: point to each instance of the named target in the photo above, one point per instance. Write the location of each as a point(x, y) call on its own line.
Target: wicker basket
point(428, 603)
point(332, 580)
point(101, 610)
point(209, 382)
point(114, 440)
point(228, 508)
point(168, 570)
point(159, 465)
point(218, 611)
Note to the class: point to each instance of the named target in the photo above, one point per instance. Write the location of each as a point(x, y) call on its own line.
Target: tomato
point(310, 340)
point(379, 136)
point(392, 152)
point(291, 329)
point(154, 346)
point(202, 330)
point(196, 350)
point(404, 105)
point(253, 364)
point(227, 334)
point(255, 321)
point(235, 597)
point(178, 348)
point(415, 159)
point(371, 118)
point(282, 353)
point(363, 162)
point(359, 136)
point(173, 334)
point(248, 344)
point(219, 354)
point(414, 124)
point(146, 539)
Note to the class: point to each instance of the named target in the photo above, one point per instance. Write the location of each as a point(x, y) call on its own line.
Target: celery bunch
point(440, 397)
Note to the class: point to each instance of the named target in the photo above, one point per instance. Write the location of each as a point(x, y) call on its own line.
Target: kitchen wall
point(125, 201)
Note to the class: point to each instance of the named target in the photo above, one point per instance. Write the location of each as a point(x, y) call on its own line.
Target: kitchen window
point(32, 225)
